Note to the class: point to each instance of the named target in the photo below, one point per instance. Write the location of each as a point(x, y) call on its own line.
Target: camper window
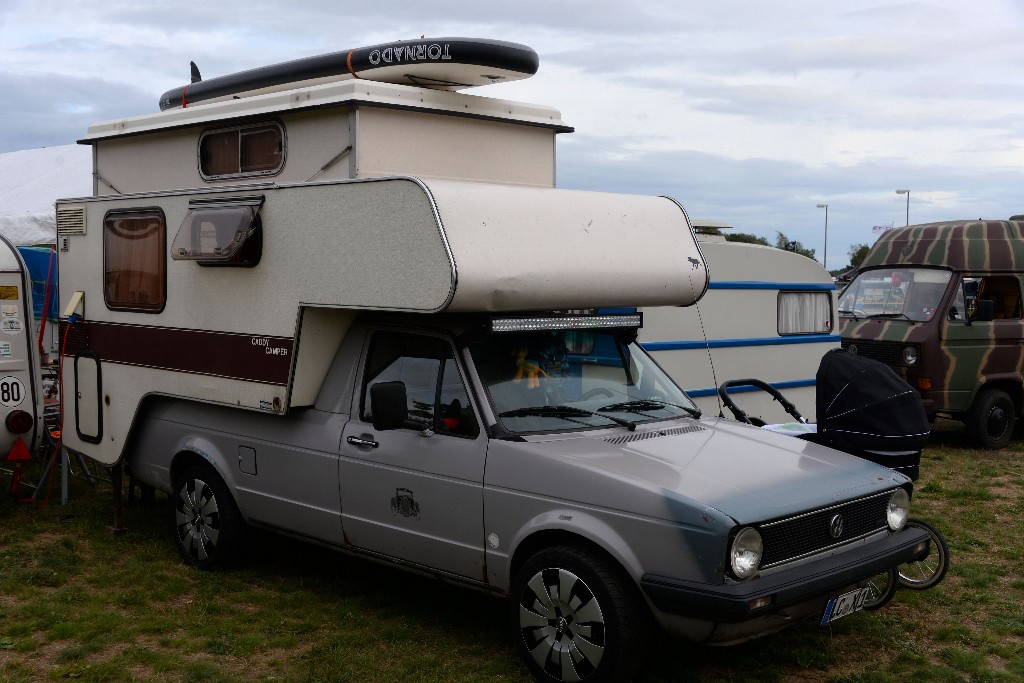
point(805, 312)
point(134, 261)
point(256, 149)
point(220, 235)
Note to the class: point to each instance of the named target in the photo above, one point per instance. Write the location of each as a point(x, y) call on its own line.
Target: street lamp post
point(906, 192)
point(824, 260)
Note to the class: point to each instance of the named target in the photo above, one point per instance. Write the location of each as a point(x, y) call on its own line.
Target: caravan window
point(805, 312)
point(134, 261)
point(243, 150)
point(221, 233)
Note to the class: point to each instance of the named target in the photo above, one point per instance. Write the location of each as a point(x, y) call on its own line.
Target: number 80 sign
point(12, 392)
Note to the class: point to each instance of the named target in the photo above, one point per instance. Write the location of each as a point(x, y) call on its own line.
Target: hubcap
point(997, 421)
point(561, 624)
point(198, 519)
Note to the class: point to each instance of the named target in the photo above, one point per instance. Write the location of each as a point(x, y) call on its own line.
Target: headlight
point(898, 510)
point(910, 355)
point(745, 554)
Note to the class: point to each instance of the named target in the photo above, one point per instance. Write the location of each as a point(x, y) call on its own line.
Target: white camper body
point(769, 314)
point(190, 274)
point(21, 395)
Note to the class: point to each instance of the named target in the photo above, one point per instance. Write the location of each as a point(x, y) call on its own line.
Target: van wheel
point(991, 419)
point(578, 617)
point(208, 525)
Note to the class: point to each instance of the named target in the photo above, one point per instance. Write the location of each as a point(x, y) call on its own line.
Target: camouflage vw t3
point(940, 303)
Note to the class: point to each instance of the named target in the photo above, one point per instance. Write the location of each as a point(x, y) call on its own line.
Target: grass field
point(78, 603)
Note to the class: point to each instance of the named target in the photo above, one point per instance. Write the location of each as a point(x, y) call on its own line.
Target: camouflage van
point(940, 303)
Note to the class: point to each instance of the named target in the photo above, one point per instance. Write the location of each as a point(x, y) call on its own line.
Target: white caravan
point(769, 314)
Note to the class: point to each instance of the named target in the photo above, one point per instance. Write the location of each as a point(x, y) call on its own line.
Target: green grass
point(79, 603)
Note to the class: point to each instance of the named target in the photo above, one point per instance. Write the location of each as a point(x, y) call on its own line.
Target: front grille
point(882, 351)
point(794, 537)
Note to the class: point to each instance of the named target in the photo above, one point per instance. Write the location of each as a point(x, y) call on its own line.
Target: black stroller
point(867, 410)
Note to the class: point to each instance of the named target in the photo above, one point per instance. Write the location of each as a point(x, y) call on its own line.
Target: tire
point(883, 587)
point(991, 419)
point(208, 527)
point(926, 571)
point(578, 617)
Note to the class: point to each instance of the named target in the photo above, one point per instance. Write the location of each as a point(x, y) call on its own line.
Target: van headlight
point(899, 509)
point(745, 553)
point(910, 355)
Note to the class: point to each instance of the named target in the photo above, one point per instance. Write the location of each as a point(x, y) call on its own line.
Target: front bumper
point(731, 603)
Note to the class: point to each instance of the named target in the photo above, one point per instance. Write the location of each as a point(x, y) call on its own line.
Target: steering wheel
point(599, 391)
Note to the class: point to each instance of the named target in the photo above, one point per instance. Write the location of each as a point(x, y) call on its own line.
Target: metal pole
point(824, 260)
point(906, 192)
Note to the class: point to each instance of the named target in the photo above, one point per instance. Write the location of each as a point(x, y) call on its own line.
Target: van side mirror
point(983, 311)
point(389, 406)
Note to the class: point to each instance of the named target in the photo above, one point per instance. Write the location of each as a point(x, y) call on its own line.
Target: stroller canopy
point(863, 404)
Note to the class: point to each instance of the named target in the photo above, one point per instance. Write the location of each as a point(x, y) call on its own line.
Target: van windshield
point(564, 380)
point(904, 293)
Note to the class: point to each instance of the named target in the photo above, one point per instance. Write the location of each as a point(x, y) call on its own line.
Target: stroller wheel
point(928, 569)
point(883, 587)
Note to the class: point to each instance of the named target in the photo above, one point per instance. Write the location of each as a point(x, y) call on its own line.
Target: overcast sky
point(751, 112)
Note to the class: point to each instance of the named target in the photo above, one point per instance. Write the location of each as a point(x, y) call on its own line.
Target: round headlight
point(745, 554)
point(910, 355)
point(899, 509)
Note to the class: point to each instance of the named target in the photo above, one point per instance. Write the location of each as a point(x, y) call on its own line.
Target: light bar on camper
point(576, 322)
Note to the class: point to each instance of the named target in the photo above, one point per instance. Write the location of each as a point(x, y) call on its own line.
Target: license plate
point(845, 604)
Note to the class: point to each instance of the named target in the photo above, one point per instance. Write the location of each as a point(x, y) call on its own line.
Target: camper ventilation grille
point(71, 221)
point(640, 436)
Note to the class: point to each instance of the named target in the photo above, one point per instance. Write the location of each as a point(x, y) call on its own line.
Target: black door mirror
point(389, 405)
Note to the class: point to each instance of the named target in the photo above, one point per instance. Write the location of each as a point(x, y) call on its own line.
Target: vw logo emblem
point(852, 348)
point(835, 526)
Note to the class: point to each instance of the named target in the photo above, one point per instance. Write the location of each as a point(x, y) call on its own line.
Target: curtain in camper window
point(805, 312)
point(134, 258)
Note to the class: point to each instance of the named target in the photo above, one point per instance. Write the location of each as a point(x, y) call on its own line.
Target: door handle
point(356, 441)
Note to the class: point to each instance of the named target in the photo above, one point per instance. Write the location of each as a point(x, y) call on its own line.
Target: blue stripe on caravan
point(743, 388)
point(794, 286)
point(731, 343)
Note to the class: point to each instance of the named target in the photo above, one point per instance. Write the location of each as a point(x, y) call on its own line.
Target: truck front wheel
point(991, 419)
point(208, 526)
point(577, 617)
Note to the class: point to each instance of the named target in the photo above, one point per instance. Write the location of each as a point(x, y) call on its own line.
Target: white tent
point(31, 180)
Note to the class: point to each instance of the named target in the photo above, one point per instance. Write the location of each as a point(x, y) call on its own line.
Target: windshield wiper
point(565, 412)
point(644, 405)
point(892, 315)
point(852, 312)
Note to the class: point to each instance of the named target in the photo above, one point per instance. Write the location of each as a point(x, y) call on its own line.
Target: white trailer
point(769, 314)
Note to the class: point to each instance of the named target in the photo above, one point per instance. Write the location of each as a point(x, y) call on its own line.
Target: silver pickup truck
point(548, 461)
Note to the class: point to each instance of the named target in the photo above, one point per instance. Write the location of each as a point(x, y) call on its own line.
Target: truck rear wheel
point(577, 617)
point(207, 524)
point(991, 419)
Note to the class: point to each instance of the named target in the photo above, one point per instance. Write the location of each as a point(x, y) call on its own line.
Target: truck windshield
point(904, 293)
point(563, 380)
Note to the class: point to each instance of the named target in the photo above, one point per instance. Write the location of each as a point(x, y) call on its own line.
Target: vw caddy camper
point(361, 313)
point(940, 303)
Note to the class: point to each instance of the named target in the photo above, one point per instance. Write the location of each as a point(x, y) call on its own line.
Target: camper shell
point(940, 303)
point(322, 311)
point(768, 314)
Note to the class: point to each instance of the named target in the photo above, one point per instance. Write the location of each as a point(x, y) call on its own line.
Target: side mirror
point(389, 405)
point(983, 311)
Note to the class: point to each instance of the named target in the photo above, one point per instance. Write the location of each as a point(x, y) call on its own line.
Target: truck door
point(411, 494)
point(983, 349)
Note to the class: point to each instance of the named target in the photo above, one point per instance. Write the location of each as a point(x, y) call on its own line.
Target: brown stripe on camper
point(248, 357)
